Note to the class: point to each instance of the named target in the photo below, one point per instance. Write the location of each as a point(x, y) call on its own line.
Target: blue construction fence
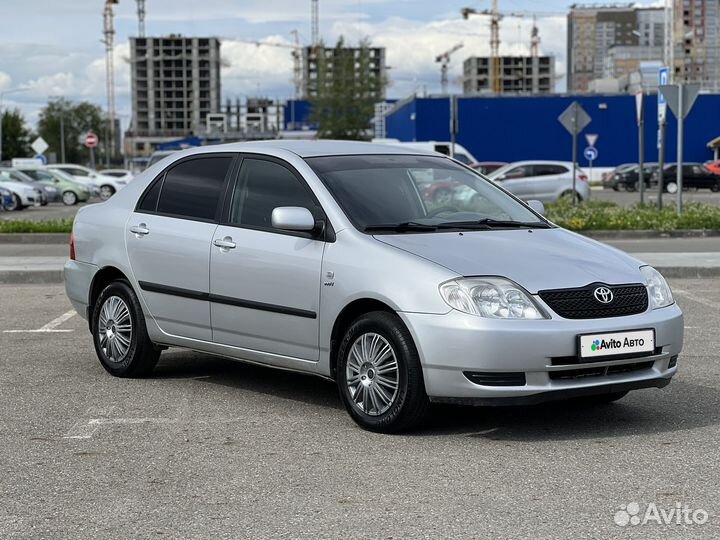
point(520, 128)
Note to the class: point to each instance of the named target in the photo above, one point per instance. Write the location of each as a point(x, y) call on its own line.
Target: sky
point(52, 48)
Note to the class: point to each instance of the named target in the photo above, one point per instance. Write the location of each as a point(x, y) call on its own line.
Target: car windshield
point(398, 193)
point(60, 175)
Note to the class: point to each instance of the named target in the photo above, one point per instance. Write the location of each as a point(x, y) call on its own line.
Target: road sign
point(27, 163)
point(574, 118)
point(91, 140)
point(639, 106)
point(41, 159)
point(671, 93)
point(39, 145)
point(591, 138)
point(591, 153)
point(663, 80)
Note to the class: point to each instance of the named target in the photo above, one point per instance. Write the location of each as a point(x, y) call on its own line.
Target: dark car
point(694, 175)
point(629, 177)
point(609, 179)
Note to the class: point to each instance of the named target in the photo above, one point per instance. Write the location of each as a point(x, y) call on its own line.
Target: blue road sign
point(42, 159)
point(590, 153)
point(663, 79)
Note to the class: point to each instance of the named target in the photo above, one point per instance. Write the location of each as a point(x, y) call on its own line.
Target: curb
point(31, 277)
point(34, 238)
point(649, 234)
point(689, 272)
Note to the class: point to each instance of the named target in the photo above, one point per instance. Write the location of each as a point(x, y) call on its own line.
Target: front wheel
point(715, 187)
point(671, 187)
point(379, 374)
point(631, 186)
point(15, 203)
point(106, 192)
point(69, 198)
point(119, 333)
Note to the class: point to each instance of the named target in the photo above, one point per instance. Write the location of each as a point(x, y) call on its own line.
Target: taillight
point(583, 177)
point(72, 246)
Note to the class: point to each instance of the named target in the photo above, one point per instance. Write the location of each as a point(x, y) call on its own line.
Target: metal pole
point(62, 137)
point(641, 153)
point(453, 124)
point(1, 123)
point(680, 141)
point(92, 158)
point(661, 164)
point(574, 163)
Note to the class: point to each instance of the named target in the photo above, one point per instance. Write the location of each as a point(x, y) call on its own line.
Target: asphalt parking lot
point(210, 448)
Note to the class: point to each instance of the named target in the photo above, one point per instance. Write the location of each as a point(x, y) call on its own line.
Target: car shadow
point(683, 405)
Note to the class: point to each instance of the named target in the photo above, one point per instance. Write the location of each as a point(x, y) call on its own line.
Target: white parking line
point(695, 298)
point(51, 327)
point(86, 428)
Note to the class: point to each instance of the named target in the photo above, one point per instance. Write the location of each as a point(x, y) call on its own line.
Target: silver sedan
point(337, 259)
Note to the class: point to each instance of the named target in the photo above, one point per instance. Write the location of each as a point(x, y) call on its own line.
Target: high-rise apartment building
point(610, 41)
point(175, 85)
point(518, 75)
point(695, 50)
point(325, 62)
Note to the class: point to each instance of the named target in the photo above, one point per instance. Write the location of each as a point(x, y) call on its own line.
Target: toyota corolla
point(327, 258)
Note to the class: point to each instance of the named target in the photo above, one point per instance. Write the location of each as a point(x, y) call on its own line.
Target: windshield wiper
point(490, 223)
point(401, 227)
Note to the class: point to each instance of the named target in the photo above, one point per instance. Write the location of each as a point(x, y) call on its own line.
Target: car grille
point(600, 371)
point(581, 303)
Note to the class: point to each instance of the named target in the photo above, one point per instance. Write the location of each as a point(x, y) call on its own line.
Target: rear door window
point(192, 188)
point(549, 170)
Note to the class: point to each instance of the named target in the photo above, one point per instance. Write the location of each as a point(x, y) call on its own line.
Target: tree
point(346, 90)
point(77, 118)
point(15, 136)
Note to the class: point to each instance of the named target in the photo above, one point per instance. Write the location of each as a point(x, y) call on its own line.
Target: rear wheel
point(715, 187)
point(119, 333)
point(671, 187)
point(568, 196)
point(379, 374)
point(631, 186)
point(69, 198)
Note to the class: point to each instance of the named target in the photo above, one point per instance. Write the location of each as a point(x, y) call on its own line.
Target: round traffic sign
point(590, 153)
point(91, 140)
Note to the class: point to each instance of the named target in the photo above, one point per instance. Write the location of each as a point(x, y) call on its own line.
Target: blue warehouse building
point(526, 127)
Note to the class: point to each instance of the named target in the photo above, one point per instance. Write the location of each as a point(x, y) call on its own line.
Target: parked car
point(320, 257)
point(70, 192)
point(47, 193)
point(546, 181)
point(713, 167)
point(6, 199)
point(108, 185)
point(629, 177)
point(609, 178)
point(122, 174)
point(159, 155)
point(23, 194)
point(487, 167)
point(694, 175)
point(462, 154)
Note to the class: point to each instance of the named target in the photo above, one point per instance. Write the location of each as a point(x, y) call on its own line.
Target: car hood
point(536, 259)
point(17, 186)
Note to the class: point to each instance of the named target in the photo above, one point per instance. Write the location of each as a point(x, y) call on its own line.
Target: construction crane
point(535, 39)
point(141, 17)
point(494, 39)
point(314, 23)
point(109, 41)
point(444, 60)
point(296, 56)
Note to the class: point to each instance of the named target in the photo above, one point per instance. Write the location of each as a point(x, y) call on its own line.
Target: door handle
point(225, 243)
point(140, 230)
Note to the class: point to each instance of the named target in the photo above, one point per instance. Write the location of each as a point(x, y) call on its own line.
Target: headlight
point(494, 298)
point(121, 182)
point(658, 289)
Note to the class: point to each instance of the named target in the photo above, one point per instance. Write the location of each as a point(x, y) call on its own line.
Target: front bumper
point(542, 353)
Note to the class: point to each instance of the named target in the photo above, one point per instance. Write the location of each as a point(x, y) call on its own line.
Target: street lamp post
point(11, 91)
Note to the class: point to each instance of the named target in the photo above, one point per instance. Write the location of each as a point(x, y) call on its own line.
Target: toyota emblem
point(603, 295)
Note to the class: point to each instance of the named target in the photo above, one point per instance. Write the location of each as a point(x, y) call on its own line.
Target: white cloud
point(5, 81)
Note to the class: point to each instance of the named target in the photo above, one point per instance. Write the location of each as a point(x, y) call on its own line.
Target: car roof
point(306, 149)
point(542, 162)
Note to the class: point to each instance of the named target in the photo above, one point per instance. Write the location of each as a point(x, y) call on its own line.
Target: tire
point(715, 188)
point(69, 198)
point(601, 399)
point(631, 186)
point(671, 187)
point(133, 356)
point(399, 403)
point(106, 192)
point(16, 204)
point(567, 196)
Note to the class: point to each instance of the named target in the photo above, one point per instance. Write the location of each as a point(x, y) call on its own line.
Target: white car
point(107, 185)
point(23, 195)
point(545, 181)
point(462, 154)
point(121, 174)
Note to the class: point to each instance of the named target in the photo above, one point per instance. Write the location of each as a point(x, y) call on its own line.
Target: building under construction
point(175, 86)
point(694, 42)
point(519, 75)
point(323, 63)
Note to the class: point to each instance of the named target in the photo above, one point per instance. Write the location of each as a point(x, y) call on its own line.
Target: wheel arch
point(345, 318)
point(102, 278)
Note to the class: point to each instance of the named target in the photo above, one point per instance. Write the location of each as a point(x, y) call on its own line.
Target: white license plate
point(617, 343)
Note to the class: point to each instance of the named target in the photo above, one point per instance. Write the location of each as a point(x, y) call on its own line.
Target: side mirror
point(537, 206)
point(293, 218)
point(500, 178)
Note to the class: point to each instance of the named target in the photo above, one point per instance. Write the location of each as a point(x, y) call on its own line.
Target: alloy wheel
point(69, 198)
point(372, 374)
point(115, 329)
